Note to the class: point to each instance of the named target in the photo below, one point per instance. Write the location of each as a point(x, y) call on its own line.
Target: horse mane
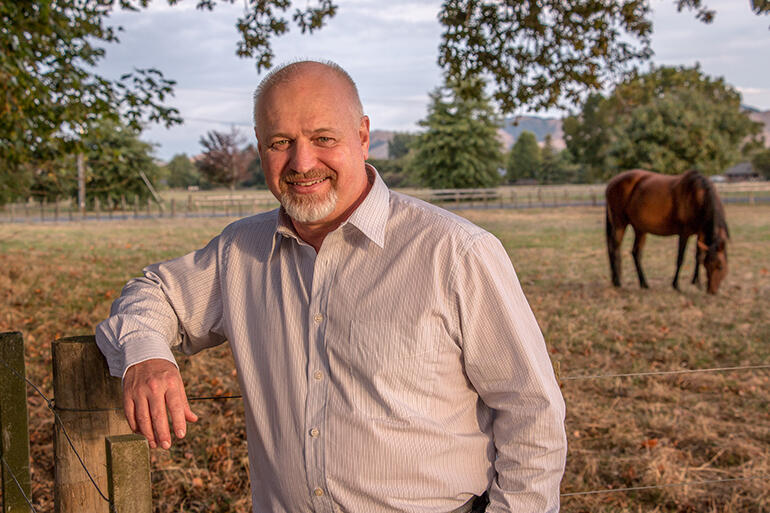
point(711, 209)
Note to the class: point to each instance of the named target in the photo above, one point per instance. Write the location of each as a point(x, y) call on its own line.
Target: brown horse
point(682, 205)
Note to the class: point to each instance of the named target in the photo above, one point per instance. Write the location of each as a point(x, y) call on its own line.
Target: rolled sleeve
point(176, 303)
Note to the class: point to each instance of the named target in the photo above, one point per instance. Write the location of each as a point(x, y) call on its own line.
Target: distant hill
point(378, 143)
point(513, 127)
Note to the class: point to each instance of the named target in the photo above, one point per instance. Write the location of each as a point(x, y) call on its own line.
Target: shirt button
point(318, 492)
point(314, 432)
point(318, 317)
point(318, 375)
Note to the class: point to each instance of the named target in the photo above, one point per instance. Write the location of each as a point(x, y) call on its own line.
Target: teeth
point(307, 184)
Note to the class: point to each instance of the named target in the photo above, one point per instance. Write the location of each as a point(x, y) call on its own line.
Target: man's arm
point(176, 303)
point(507, 363)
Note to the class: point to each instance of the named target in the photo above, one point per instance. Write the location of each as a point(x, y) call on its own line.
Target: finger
point(176, 404)
point(129, 410)
point(189, 415)
point(143, 421)
point(160, 420)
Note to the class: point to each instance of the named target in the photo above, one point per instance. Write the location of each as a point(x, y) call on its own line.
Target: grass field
point(627, 432)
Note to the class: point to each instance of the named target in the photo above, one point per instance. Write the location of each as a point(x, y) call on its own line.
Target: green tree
point(524, 158)
point(181, 173)
point(667, 120)
point(49, 92)
point(556, 166)
point(761, 162)
point(460, 147)
point(547, 53)
point(400, 144)
point(115, 160)
point(588, 139)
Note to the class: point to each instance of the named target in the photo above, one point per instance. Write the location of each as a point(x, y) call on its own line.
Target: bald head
point(326, 71)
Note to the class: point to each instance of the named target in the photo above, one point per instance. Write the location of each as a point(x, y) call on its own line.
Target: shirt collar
point(370, 218)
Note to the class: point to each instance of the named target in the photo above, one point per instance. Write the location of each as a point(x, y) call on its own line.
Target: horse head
point(715, 261)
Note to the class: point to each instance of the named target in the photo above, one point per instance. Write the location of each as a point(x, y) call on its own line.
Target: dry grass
point(59, 280)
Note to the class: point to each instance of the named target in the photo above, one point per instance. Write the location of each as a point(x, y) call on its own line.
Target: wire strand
point(18, 485)
point(212, 397)
point(667, 485)
point(662, 373)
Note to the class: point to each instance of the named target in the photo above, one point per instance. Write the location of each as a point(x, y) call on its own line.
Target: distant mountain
point(378, 143)
point(513, 127)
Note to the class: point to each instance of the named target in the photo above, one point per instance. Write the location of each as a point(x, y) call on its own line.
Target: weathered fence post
point(173, 207)
point(14, 424)
point(89, 404)
point(128, 473)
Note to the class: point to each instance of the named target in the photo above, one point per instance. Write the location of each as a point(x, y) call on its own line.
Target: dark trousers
point(480, 503)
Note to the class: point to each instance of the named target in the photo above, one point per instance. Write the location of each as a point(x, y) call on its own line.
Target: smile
point(307, 184)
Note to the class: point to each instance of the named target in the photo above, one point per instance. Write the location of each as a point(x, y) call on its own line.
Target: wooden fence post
point(128, 473)
point(14, 425)
point(89, 404)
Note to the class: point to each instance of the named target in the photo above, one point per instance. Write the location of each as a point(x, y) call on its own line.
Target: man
point(388, 359)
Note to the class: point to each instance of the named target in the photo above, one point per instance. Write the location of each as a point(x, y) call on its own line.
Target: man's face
point(313, 147)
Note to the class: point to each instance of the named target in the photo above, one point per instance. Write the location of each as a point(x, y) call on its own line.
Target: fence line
point(51, 406)
point(516, 197)
point(18, 485)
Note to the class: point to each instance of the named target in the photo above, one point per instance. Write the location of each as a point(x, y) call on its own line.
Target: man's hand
point(149, 388)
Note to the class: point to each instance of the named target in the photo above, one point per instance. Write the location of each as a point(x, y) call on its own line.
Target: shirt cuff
point(137, 349)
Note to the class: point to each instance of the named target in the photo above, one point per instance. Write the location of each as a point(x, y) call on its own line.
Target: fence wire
point(666, 373)
point(666, 485)
point(18, 485)
point(51, 406)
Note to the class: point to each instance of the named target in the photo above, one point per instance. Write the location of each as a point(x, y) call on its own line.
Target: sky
point(390, 50)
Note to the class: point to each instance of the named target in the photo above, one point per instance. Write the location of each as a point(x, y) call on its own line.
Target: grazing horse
point(682, 205)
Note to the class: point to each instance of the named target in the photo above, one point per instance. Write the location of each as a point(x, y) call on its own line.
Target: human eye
point(280, 144)
point(325, 141)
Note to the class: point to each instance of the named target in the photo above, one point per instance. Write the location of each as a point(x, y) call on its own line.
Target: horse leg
point(639, 238)
point(614, 238)
point(698, 260)
point(679, 259)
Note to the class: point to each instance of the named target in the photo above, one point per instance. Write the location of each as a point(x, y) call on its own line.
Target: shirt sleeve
point(507, 362)
point(177, 304)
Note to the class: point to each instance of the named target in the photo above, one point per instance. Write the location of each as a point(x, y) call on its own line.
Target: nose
point(303, 158)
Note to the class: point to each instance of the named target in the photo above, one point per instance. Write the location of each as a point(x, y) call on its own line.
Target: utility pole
point(82, 184)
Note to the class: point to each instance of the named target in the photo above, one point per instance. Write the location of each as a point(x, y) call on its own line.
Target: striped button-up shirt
point(399, 369)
